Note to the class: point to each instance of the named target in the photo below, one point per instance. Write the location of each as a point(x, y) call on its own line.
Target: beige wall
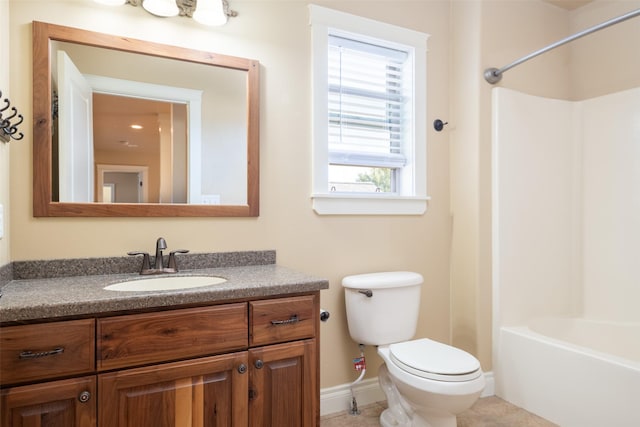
point(278, 35)
point(5, 254)
point(607, 61)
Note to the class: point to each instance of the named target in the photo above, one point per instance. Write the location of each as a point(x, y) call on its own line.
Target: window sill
point(360, 204)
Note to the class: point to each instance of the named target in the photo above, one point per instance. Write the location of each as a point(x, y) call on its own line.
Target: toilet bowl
point(434, 382)
point(427, 383)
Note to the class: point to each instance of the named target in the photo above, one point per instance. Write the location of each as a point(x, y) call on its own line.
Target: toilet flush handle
point(366, 292)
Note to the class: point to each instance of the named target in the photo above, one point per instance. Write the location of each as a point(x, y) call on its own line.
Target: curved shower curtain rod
point(494, 75)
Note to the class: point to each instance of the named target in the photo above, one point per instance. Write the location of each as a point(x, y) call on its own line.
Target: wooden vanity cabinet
point(252, 363)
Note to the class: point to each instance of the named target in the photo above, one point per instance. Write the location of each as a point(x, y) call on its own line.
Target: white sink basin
point(165, 283)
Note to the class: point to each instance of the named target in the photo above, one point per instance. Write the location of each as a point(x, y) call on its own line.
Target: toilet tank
point(382, 308)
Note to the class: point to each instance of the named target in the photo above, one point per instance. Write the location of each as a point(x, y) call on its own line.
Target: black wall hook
point(438, 124)
point(8, 126)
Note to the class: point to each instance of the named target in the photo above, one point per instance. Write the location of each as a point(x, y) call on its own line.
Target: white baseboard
point(338, 398)
point(490, 385)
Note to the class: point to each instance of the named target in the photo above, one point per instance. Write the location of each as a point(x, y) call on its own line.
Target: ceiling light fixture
point(206, 12)
point(210, 12)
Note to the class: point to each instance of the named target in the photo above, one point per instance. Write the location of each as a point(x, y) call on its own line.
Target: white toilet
point(427, 383)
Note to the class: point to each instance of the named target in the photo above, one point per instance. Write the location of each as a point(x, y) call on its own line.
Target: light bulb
point(164, 8)
point(210, 12)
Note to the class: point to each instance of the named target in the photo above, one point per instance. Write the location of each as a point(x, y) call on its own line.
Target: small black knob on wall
point(324, 315)
point(438, 124)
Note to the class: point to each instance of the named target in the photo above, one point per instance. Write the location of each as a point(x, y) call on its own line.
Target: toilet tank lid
point(388, 279)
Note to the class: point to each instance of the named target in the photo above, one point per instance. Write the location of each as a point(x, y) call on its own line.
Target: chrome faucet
point(158, 263)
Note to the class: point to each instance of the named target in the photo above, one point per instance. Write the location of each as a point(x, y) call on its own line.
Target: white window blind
point(367, 103)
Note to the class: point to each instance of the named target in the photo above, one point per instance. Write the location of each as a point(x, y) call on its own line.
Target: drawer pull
point(28, 354)
point(293, 319)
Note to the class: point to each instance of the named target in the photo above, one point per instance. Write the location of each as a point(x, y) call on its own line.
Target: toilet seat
point(433, 360)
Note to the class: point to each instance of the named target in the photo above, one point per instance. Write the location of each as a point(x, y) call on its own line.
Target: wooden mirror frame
point(43, 206)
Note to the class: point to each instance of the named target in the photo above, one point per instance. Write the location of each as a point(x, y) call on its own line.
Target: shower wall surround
point(566, 207)
point(611, 206)
point(566, 276)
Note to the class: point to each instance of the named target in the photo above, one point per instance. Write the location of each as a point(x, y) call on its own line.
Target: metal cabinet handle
point(242, 368)
point(84, 396)
point(259, 364)
point(28, 354)
point(292, 319)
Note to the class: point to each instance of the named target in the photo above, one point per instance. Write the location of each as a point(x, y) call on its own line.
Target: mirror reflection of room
point(140, 150)
point(174, 140)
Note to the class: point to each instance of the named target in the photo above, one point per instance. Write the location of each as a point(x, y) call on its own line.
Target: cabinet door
point(65, 403)
point(206, 392)
point(284, 385)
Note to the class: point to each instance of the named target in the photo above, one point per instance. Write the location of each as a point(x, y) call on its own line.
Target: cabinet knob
point(242, 368)
point(259, 364)
point(84, 396)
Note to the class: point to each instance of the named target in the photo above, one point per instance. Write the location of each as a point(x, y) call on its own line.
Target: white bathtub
point(573, 372)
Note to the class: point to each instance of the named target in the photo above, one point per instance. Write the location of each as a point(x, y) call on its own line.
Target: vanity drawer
point(47, 350)
point(141, 339)
point(283, 319)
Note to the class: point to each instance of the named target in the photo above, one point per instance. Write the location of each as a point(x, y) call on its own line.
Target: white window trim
point(324, 202)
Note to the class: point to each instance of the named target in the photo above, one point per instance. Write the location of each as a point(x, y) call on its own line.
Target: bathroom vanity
point(236, 354)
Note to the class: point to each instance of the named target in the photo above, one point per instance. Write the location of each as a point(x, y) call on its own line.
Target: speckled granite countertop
point(30, 299)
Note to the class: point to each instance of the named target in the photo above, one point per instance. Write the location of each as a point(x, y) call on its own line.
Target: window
point(369, 114)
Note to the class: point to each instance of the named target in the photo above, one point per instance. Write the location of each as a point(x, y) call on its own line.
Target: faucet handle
point(172, 258)
point(146, 265)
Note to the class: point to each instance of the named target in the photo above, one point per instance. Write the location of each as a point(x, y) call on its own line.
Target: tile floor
point(487, 412)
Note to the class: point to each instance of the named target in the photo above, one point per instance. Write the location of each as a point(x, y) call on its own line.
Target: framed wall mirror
point(125, 127)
